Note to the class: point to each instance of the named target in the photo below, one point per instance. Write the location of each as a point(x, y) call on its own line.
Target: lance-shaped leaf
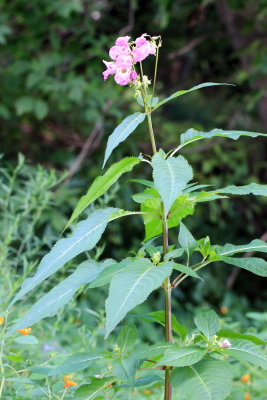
point(107, 274)
point(181, 92)
point(127, 337)
point(246, 351)
point(191, 135)
point(225, 333)
point(185, 238)
point(126, 127)
point(124, 368)
point(231, 249)
point(186, 270)
point(159, 317)
point(253, 264)
point(102, 183)
point(206, 380)
point(93, 389)
point(76, 362)
point(83, 238)
point(182, 356)
point(252, 188)
point(60, 295)
point(170, 176)
point(131, 287)
point(207, 322)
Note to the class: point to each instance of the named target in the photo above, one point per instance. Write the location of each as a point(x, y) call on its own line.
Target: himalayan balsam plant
point(189, 365)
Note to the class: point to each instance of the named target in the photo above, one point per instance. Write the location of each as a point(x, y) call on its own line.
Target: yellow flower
point(68, 381)
point(25, 331)
point(224, 310)
point(245, 378)
point(247, 396)
point(147, 392)
point(2, 320)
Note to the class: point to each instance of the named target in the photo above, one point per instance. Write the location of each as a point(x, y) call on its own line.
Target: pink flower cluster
point(125, 57)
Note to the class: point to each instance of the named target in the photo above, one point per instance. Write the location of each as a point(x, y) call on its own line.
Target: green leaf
point(225, 333)
point(76, 362)
point(181, 92)
point(143, 182)
point(30, 339)
point(60, 295)
point(24, 105)
point(207, 322)
point(90, 391)
point(131, 287)
point(150, 102)
point(126, 127)
point(102, 183)
point(127, 337)
point(40, 109)
point(246, 351)
point(186, 270)
point(206, 380)
point(124, 369)
point(159, 316)
point(182, 356)
point(192, 135)
point(15, 358)
point(182, 207)
point(107, 274)
point(185, 238)
point(255, 265)
point(170, 177)
point(230, 249)
point(153, 351)
point(252, 188)
point(83, 238)
point(174, 254)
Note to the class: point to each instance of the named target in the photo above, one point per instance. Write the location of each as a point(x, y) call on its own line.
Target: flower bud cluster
point(125, 55)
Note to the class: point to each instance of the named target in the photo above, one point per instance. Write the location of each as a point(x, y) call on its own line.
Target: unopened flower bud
point(225, 344)
point(156, 257)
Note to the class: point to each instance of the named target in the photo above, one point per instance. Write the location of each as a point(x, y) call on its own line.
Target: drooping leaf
point(174, 254)
point(107, 274)
point(127, 337)
point(60, 295)
point(247, 351)
point(255, 265)
point(102, 183)
point(93, 389)
point(252, 188)
point(131, 287)
point(126, 127)
point(181, 92)
point(83, 238)
point(170, 177)
point(159, 316)
point(125, 368)
point(182, 356)
point(185, 238)
point(207, 322)
point(231, 249)
point(143, 182)
point(206, 380)
point(225, 333)
point(191, 135)
point(76, 362)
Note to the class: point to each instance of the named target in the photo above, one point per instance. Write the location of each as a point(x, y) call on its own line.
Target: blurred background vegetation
point(56, 110)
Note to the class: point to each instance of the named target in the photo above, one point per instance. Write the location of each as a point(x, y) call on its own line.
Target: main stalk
point(166, 285)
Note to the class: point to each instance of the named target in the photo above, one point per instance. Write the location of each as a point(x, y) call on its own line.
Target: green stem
point(155, 76)
point(168, 310)
point(151, 133)
point(1, 359)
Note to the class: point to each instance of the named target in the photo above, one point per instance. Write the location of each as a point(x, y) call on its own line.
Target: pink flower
point(133, 75)
point(111, 69)
point(116, 51)
point(143, 49)
point(140, 41)
point(123, 76)
point(122, 41)
point(124, 61)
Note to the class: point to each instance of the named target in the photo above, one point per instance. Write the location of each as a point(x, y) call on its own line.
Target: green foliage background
point(53, 99)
